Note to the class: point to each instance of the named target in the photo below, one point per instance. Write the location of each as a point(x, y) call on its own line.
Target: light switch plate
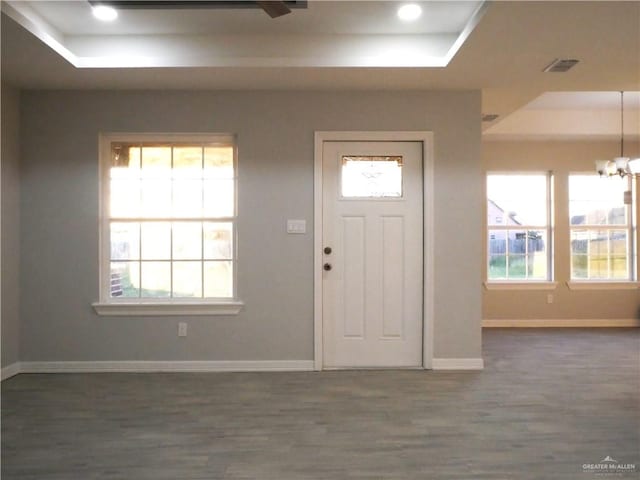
point(296, 226)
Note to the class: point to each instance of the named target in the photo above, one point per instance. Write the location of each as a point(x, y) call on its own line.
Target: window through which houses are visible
point(519, 227)
point(169, 218)
point(600, 228)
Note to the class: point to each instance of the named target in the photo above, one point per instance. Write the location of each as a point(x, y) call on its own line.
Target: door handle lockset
point(327, 266)
point(327, 250)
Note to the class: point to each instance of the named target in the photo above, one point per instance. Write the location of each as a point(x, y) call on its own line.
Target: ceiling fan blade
point(274, 9)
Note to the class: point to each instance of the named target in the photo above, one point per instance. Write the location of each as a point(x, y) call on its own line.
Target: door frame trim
point(426, 138)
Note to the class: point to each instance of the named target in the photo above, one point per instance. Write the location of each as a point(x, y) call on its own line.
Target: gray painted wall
point(10, 225)
point(275, 133)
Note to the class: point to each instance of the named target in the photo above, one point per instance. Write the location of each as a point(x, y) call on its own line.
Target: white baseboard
point(457, 364)
point(561, 323)
point(166, 366)
point(10, 370)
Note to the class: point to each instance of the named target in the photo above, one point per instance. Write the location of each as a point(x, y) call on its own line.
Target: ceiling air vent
point(489, 117)
point(560, 65)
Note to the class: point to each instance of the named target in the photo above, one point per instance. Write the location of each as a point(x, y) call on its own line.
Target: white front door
point(372, 254)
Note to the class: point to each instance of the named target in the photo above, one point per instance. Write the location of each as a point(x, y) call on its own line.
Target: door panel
point(373, 222)
point(392, 271)
point(353, 247)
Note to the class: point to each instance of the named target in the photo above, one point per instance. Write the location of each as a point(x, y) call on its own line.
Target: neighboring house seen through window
point(518, 227)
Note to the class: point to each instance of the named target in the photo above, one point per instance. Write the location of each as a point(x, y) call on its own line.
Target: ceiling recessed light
point(104, 13)
point(409, 12)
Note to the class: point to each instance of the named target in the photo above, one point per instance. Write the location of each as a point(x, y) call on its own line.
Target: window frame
point(631, 281)
point(110, 306)
point(523, 283)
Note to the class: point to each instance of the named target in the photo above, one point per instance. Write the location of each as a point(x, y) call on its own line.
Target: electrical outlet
point(182, 329)
point(550, 298)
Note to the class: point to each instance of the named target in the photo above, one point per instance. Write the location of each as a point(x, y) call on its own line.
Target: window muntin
point(518, 227)
point(169, 219)
point(600, 228)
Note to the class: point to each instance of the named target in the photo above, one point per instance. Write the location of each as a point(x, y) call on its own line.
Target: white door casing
point(374, 307)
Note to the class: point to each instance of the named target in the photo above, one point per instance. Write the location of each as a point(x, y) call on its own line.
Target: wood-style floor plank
point(547, 402)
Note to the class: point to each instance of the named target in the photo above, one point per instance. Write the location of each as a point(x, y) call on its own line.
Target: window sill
point(141, 309)
point(520, 285)
point(595, 285)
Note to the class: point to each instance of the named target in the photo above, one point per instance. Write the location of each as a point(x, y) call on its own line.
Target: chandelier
point(621, 165)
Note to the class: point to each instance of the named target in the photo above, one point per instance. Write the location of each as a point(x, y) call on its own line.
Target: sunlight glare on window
point(371, 176)
point(600, 228)
point(166, 236)
point(521, 199)
point(218, 162)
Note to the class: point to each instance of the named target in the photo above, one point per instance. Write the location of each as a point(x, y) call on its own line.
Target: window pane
point(537, 267)
point(598, 243)
point(497, 241)
point(537, 255)
point(517, 200)
point(497, 267)
point(497, 246)
point(598, 267)
point(219, 198)
point(156, 162)
point(218, 240)
point(579, 267)
point(619, 250)
point(619, 267)
point(369, 176)
point(125, 279)
point(517, 266)
point(135, 159)
point(124, 198)
point(517, 241)
point(156, 198)
point(125, 241)
point(597, 201)
point(187, 162)
point(218, 279)
point(218, 162)
point(187, 198)
point(618, 242)
point(187, 240)
point(156, 241)
point(579, 242)
point(156, 279)
point(125, 161)
point(187, 279)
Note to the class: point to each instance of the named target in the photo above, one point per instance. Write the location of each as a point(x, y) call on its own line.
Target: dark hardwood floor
point(548, 403)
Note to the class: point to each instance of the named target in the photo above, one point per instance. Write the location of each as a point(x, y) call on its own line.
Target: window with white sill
point(519, 227)
point(601, 228)
point(168, 225)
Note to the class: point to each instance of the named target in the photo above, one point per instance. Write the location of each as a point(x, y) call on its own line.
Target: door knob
point(327, 250)
point(327, 266)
